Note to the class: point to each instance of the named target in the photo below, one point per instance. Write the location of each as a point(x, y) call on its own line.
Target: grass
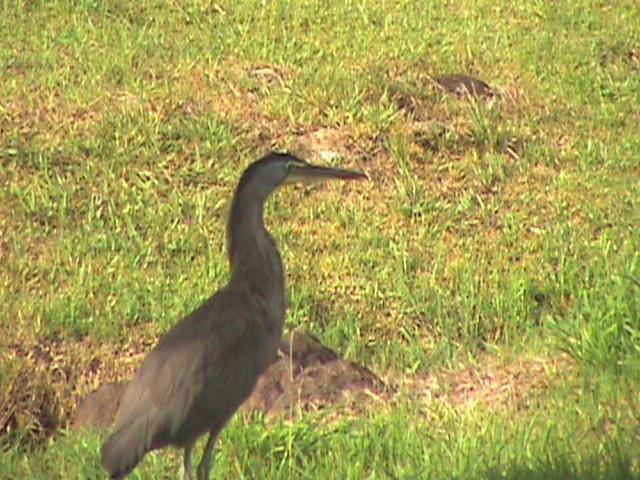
point(503, 228)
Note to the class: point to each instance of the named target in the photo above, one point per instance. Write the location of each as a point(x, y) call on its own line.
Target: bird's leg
point(186, 462)
point(205, 464)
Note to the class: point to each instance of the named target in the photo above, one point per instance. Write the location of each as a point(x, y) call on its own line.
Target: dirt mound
point(306, 375)
point(309, 376)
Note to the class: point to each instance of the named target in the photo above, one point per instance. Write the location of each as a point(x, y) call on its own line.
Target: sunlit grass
point(488, 226)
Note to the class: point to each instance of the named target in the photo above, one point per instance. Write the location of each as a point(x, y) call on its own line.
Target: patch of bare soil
point(239, 99)
point(43, 380)
point(494, 382)
point(325, 144)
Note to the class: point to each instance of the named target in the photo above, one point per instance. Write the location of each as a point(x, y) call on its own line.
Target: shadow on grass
point(620, 467)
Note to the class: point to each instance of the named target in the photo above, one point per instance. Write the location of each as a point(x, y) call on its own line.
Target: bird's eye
point(292, 164)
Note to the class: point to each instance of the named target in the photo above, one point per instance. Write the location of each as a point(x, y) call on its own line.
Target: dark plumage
point(201, 371)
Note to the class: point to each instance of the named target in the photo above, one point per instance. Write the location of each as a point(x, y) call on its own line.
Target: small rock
point(464, 85)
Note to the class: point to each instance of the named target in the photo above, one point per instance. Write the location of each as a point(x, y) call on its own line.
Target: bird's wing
point(169, 379)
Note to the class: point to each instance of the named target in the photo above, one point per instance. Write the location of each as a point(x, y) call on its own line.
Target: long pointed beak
point(315, 173)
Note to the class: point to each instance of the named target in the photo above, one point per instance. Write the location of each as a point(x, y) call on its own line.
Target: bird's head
point(276, 169)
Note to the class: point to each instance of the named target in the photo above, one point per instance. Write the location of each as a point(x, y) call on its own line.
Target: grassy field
point(490, 269)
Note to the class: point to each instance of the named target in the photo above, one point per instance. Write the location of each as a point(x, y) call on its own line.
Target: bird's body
point(201, 371)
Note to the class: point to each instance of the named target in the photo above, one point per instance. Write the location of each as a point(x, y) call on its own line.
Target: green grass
point(507, 227)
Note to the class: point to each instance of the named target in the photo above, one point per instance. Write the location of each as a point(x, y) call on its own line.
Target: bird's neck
point(253, 253)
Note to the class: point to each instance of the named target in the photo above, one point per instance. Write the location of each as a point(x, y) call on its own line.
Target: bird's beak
point(312, 173)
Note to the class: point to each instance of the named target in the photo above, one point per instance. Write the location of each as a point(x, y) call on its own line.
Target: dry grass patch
point(44, 379)
point(497, 383)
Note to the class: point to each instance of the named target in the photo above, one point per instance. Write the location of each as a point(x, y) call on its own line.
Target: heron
point(200, 372)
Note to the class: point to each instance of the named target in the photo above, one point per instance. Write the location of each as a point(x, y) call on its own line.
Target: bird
point(200, 372)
